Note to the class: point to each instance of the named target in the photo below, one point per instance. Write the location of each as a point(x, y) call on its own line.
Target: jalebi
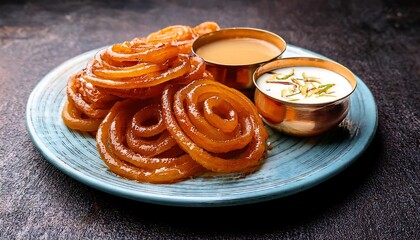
point(182, 36)
point(85, 106)
point(134, 143)
point(158, 113)
point(218, 126)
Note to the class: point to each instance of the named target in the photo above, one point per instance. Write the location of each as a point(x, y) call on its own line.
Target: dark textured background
point(378, 197)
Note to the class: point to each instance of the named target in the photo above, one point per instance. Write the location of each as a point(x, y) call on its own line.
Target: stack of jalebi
point(139, 69)
point(159, 115)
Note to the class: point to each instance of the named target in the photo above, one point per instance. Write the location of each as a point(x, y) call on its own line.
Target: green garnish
point(286, 76)
point(307, 86)
point(325, 87)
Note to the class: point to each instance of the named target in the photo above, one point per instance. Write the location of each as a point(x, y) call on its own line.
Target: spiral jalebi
point(149, 75)
point(134, 143)
point(218, 126)
point(182, 36)
point(86, 105)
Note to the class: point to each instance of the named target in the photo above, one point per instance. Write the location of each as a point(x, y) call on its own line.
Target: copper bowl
point(302, 119)
point(237, 76)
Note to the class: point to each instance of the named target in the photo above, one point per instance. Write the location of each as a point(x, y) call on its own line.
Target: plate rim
point(187, 201)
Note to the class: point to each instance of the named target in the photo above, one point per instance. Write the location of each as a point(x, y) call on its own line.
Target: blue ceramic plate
point(293, 164)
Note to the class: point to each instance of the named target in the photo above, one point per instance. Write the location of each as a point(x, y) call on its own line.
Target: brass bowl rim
point(351, 78)
point(221, 31)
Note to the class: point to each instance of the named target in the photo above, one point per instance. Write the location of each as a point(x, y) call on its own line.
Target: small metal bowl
point(237, 76)
point(302, 119)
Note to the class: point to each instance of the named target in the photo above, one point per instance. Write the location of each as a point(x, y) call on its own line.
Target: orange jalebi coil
point(197, 71)
point(85, 106)
point(175, 33)
point(206, 27)
point(140, 51)
point(182, 36)
point(218, 126)
point(74, 119)
point(134, 143)
point(102, 74)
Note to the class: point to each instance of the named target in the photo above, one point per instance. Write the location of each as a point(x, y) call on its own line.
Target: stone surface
point(378, 197)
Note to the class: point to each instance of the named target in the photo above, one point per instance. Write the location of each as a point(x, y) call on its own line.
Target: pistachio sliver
point(286, 76)
point(314, 80)
point(325, 87)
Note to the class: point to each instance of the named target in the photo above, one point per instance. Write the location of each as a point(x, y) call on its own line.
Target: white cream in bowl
point(304, 84)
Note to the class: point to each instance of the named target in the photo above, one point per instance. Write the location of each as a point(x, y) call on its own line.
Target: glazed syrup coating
point(160, 116)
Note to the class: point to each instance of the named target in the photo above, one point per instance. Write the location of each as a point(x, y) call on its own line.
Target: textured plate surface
point(293, 164)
